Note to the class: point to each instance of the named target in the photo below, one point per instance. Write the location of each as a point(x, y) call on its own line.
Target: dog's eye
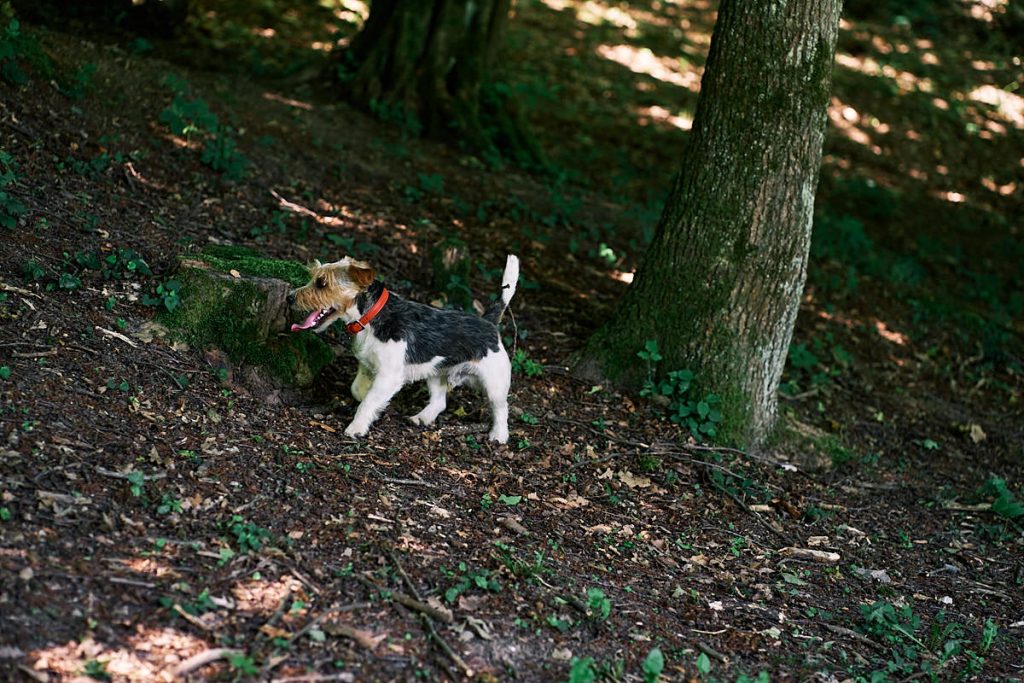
point(321, 283)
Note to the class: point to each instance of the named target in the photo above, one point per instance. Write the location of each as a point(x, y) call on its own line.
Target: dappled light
point(149, 654)
point(643, 61)
point(175, 476)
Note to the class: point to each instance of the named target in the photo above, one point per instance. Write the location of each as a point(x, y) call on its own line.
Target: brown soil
point(259, 528)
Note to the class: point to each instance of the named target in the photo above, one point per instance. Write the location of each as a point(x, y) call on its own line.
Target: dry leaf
point(364, 638)
point(634, 481)
point(977, 433)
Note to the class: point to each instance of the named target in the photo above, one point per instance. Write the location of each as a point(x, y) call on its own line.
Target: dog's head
point(331, 291)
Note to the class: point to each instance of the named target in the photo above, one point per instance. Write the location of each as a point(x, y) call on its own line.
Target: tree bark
point(426, 64)
point(720, 285)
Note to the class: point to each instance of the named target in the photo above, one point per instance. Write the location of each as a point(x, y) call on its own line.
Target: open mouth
point(314, 319)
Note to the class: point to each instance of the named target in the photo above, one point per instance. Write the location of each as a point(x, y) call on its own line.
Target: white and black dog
point(398, 341)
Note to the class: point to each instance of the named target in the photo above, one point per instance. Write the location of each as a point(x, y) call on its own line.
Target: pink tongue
point(308, 323)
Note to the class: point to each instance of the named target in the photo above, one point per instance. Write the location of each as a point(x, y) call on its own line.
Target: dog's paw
point(355, 431)
point(421, 420)
point(499, 435)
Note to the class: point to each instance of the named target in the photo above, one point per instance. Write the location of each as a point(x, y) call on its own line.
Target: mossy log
point(235, 301)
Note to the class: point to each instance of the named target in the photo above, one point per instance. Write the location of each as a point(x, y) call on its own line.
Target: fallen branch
point(202, 659)
point(117, 335)
point(428, 622)
point(127, 476)
point(860, 637)
point(406, 601)
point(823, 556)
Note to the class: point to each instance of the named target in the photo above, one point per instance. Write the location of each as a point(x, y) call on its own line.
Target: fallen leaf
point(977, 433)
point(364, 638)
point(634, 481)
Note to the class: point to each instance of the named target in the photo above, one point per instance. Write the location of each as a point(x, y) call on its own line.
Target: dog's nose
point(290, 298)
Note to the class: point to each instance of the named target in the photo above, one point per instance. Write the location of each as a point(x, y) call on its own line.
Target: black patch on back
point(456, 336)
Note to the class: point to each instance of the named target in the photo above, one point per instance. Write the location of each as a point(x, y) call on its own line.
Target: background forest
point(177, 499)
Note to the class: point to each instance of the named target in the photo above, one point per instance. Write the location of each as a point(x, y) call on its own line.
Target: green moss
point(222, 313)
point(245, 260)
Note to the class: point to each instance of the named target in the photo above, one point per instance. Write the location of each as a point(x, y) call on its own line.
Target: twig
point(409, 482)
point(34, 354)
point(823, 556)
point(203, 658)
point(856, 636)
point(428, 622)
point(131, 582)
point(746, 508)
point(411, 603)
point(711, 652)
point(190, 618)
point(121, 475)
point(117, 335)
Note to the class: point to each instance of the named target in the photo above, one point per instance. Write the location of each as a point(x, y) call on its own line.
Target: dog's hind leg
point(384, 387)
point(438, 401)
point(496, 377)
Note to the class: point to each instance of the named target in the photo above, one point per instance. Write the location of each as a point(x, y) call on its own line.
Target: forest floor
point(154, 506)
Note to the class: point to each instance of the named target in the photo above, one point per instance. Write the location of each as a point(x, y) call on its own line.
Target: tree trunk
point(720, 285)
point(425, 63)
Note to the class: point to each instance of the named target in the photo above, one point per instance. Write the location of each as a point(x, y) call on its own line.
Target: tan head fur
point(334, 286)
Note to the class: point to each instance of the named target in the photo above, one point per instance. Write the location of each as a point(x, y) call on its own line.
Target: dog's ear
point(361, 273)
point(315, 265)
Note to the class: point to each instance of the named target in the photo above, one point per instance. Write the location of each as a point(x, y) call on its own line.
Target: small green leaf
point(5, 372)
point(510, 500)
point(654, 664)
point(703, 664)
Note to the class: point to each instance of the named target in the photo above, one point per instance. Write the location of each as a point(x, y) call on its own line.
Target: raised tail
point(509, 280)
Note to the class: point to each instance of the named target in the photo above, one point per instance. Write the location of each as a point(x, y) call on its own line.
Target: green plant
point(97, 670)
point(168, 504)
point(523, 365)
point(5, 372)
point(191, 118)
point(581, 670)
point(242, 664)
point(249, 537)
point(136, 482)
point(472, 578)
point(10, 207)
point(167, 294)
point(654, 664)
point(599, 607)
point(1005, 503)
point(701, 416)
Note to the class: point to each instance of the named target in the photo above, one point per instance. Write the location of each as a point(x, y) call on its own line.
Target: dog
point(398, 341)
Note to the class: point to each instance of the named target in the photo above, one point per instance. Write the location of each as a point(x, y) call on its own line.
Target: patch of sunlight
point(907, 82)
point(986, 10)
point(623, 277)
point(298, 104)
point(662, 115)
point(890, 335)
point(953, 197)
point(151, 655)
point(643, 61)
point(1010, 105)
point(146, 565)
point(1004, 190)
point(263, 595)
point(597, 13)
point(349, 11)
point(264, 32)
point(847, 121)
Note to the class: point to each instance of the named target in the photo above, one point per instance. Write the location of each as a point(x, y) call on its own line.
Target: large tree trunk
point(427, 62)
point(720, 285)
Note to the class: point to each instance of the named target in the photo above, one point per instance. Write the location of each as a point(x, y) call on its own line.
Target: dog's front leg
point(385, 386)
point(361, 384)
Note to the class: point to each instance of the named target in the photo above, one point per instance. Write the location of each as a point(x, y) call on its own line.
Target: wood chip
point(823, 556)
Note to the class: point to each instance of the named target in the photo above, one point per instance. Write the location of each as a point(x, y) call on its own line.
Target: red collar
point(357, 326)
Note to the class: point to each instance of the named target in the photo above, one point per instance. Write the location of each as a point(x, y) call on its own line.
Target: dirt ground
point(155, 506)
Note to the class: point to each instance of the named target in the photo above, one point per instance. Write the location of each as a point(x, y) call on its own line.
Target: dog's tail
point(509, 279)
